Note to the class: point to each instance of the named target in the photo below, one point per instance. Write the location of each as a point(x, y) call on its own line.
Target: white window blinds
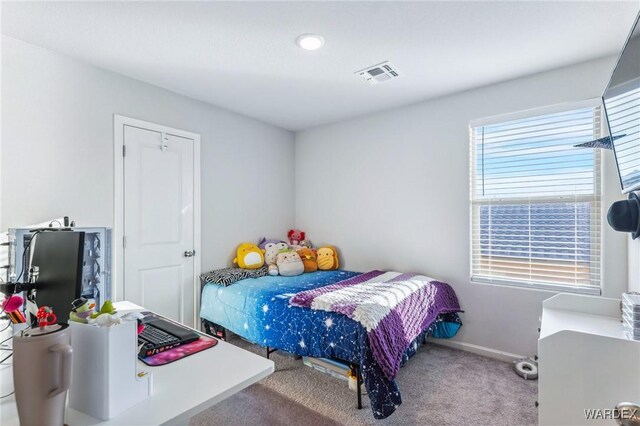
point(535, 201)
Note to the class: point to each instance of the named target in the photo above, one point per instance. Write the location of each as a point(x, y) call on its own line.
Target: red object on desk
point(46, 316)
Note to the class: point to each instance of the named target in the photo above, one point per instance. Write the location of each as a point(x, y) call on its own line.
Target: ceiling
point(242, 55)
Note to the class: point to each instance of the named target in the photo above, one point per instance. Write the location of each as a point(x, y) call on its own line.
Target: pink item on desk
point(204, 342)
point(12, 303)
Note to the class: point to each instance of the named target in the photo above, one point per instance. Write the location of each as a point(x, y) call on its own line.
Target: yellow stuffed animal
point(249, 256)
point(327, 258)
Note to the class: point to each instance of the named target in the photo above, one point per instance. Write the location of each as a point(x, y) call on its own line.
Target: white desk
point(585, 360)
point(181, 389)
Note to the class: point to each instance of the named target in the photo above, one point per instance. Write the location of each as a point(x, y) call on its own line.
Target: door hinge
point(164, 142)
point(124, 150)
point(124, 242)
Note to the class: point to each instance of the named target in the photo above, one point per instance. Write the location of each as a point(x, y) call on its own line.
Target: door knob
point(189, 253)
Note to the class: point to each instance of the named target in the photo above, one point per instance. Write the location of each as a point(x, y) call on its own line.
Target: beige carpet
point(439, 386)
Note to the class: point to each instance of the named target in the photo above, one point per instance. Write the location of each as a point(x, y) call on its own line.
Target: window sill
point(555, 288)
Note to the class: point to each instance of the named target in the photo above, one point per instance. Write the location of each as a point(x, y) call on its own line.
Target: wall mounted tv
point(621, 100)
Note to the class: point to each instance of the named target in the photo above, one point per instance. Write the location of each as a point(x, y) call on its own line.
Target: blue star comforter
point(258, 309)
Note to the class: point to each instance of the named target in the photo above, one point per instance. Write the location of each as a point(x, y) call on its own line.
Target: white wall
point(57, 150)
point(634, 265)
point(391, 191)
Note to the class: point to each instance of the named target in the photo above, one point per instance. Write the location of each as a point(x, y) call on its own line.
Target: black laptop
point(160, 334)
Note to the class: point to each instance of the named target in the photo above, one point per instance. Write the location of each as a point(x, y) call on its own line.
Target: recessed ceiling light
point(310, 41)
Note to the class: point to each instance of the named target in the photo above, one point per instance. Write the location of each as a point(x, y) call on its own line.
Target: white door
point(159, 222)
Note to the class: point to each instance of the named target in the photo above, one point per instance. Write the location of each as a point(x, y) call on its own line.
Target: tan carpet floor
point(439, 386)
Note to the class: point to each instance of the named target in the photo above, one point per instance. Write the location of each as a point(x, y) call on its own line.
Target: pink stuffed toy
point(295, 236)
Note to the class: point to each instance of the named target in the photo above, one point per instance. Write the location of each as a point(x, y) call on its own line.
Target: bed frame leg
point(358, 385)
point(207, 327)
point(270, 351)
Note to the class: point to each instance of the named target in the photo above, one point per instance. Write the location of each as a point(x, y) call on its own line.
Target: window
point(535, 201)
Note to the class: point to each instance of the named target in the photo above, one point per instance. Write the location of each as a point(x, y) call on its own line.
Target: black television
point(621, 101)
point(59, 257)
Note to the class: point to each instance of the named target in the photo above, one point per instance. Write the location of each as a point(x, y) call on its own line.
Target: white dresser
point(585, 360)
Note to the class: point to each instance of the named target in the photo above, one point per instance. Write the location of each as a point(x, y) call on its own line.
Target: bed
point(259, 310)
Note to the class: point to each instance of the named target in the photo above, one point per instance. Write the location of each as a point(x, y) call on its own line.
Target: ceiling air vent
point(379, 73)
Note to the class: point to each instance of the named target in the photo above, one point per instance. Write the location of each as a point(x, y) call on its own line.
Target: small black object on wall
point(624, 215)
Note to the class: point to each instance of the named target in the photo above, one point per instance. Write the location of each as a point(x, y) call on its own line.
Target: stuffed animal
point(105, 317)
point(107, 308)
point(303, 244)
point(295, 236)
point(306, 243)
point(264, 241)
point(309, 259)
point(289, 264)
point(271, 251)
point(81, 310)
point(327, 258)
point(272, 269)
point(249, 256)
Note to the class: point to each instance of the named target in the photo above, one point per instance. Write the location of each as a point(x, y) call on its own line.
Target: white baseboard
point(476, 349)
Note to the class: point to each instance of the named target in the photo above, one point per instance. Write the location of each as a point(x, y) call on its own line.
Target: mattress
point(258, 309)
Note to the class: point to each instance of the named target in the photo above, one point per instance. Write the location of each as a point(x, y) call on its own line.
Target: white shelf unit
point(585, 360)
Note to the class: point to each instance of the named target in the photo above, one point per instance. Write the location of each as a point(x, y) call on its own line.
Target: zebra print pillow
point(228, 276)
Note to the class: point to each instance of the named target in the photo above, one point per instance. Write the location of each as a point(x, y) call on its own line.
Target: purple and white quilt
point(393, 307)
